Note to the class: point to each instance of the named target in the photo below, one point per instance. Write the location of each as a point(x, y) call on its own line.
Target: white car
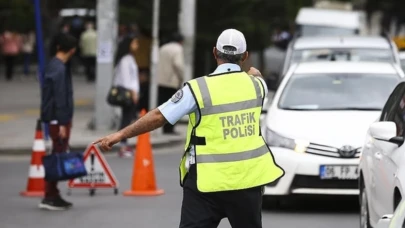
point(328, 22)
point(396, 220)
point(341, 48)
point(382, 165)
point(316, 123)
point(402, 59)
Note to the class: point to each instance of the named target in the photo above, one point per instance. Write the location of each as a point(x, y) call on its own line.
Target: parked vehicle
point(327, 22)
point(341, 48)
point(382, 165)
point(315, 124)
point(396, 220)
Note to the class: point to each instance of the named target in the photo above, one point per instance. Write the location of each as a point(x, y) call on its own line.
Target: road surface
point(106, 210)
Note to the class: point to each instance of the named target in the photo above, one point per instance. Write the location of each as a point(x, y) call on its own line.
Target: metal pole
point(187, 28)
point(41, 54)
point(106, 42)
point(154, 56)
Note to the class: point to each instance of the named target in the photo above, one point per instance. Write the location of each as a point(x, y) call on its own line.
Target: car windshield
point(353, 54)
point(337, 91)
point(315, 30)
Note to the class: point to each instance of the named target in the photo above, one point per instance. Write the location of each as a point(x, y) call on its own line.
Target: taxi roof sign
point(400, 42)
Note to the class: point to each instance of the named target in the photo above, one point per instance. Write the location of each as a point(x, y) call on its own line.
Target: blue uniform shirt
point(185, 104)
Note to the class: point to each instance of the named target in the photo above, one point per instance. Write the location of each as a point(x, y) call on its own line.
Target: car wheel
point(364, 212)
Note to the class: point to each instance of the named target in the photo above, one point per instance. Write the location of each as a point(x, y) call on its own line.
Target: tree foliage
point(16, 14)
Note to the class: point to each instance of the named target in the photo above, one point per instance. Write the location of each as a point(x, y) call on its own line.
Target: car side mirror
point(386, 131)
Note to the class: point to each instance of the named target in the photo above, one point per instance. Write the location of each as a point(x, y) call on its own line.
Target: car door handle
point(378, 155)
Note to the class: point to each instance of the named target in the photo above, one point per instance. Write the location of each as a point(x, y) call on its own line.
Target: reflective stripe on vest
point(231, 157)
point(209, 109)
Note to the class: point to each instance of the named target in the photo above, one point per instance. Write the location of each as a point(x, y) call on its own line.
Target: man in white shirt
point(88, 46)
point(170, 73)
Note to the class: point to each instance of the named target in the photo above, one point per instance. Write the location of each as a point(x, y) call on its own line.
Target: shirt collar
point(226, 67)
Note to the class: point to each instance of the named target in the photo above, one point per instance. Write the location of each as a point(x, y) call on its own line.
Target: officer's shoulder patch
point(177, 96)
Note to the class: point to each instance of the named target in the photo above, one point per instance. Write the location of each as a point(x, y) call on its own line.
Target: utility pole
point(107, 13)
point(187, 29)
point(41, 54)
point(154, 56)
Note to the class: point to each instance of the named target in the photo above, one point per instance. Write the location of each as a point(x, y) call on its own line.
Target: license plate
point(341, 172)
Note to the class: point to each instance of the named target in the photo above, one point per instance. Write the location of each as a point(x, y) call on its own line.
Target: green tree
point(17, 14)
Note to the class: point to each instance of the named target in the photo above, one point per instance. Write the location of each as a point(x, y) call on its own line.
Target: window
point(338, 54)
point(337, 91)
point(315, 30)
point(390, 104)
point(396, 109)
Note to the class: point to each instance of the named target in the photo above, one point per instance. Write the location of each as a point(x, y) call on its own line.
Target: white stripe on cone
point(39, 145)
point(36, 171)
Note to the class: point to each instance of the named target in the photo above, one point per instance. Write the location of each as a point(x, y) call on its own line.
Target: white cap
point(233, 38)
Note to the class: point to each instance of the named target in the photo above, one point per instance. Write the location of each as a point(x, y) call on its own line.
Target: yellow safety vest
point(230, 151)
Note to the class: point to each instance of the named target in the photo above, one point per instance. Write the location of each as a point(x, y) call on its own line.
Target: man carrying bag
point(57, 110)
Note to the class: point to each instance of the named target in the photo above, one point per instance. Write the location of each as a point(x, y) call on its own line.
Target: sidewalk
point(19, 110)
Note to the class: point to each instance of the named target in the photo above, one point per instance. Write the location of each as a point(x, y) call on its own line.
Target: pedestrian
point(27, 49)
point(63, 30)
point(170, 72)
point(88, 45)
point(11, 46)
point(57, 110)
point(127, 76)
point(226, 161)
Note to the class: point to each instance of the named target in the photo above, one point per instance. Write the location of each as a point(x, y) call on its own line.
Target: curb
point(28, 151)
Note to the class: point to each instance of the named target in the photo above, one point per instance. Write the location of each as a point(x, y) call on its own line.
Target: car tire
point(397, 200)
point(364, 212)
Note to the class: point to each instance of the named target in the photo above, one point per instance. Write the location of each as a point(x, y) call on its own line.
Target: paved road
point(105, 210)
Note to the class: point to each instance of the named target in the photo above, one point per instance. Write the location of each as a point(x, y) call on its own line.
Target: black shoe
point(65, 203)
point(53, 205)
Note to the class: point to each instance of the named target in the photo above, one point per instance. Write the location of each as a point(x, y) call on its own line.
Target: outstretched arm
point(151, 121)
point(170, 112)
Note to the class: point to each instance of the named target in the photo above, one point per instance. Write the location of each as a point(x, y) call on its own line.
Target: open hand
point(62, 132)
point(255, 72)
point(108, 141)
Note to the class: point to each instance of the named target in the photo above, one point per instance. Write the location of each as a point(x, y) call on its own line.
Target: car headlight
point(275, 140)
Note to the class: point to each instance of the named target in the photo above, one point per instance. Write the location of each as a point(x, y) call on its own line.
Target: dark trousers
point(243, 208)
point(27, 61)
point(59, 145)
point(90, 65)
point(9, 61)
point(128, 115)
point(164, 94)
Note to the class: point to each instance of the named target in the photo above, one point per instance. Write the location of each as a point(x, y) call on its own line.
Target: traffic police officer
point(226, 161)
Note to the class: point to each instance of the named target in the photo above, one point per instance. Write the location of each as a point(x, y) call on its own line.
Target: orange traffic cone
point(143, 175)
point(35, 184)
